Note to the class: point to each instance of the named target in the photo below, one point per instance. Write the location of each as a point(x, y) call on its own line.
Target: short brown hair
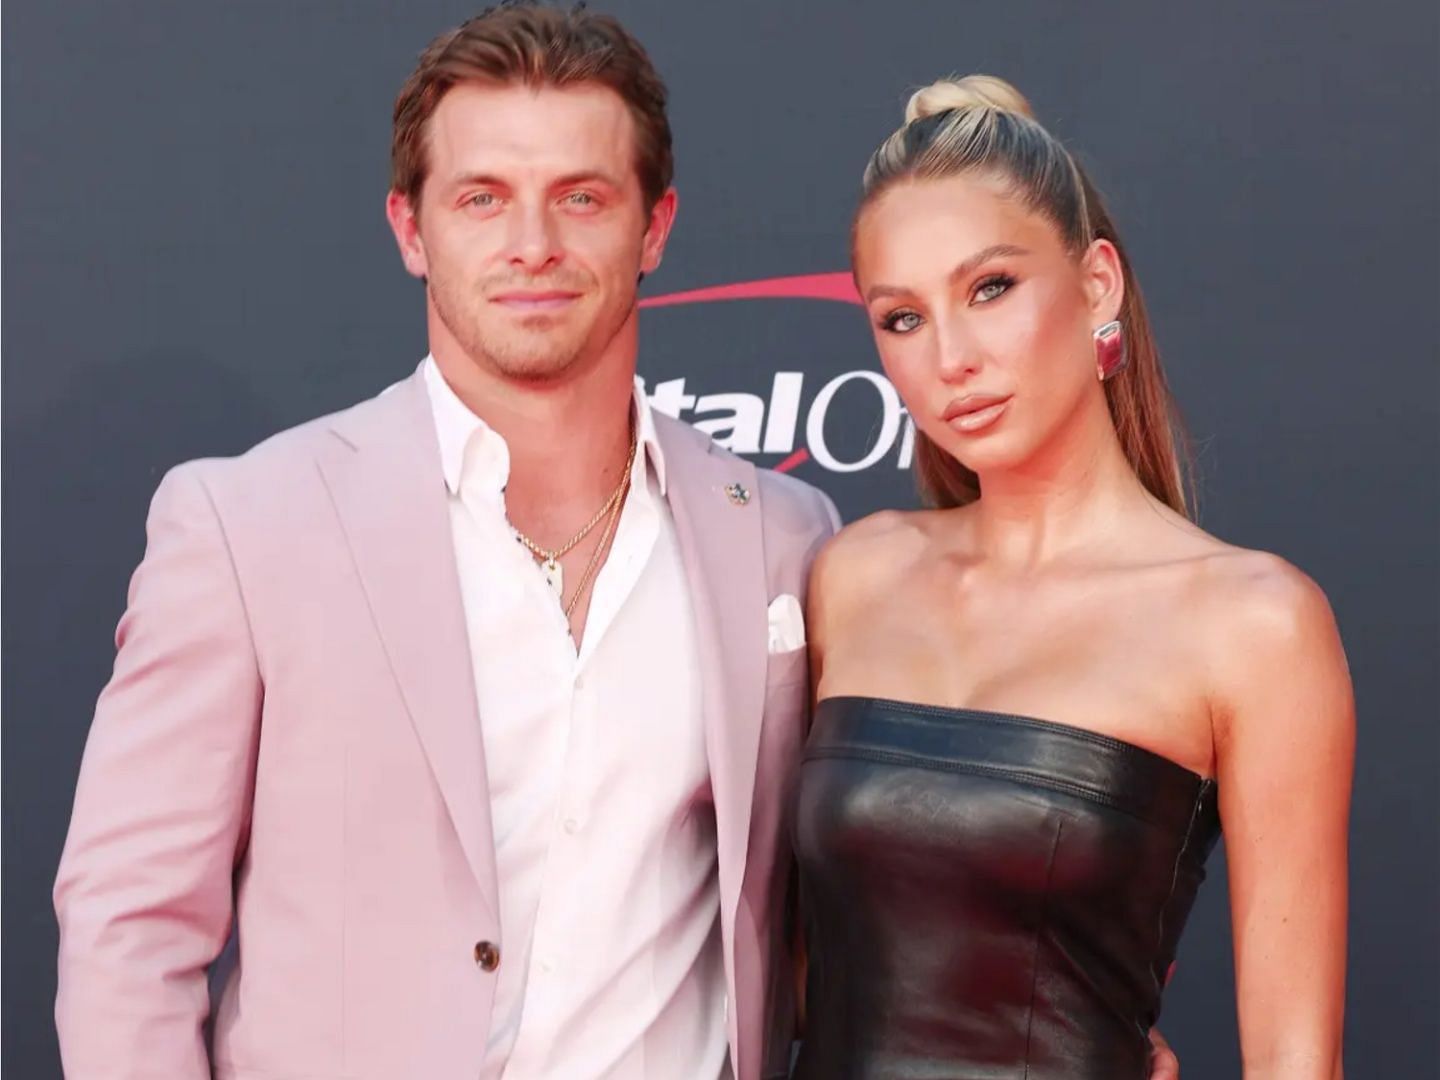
point(536, 45)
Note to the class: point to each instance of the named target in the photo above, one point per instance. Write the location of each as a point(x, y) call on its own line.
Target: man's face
point(531, 227)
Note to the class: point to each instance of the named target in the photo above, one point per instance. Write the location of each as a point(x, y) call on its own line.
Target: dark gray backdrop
point(194, 257)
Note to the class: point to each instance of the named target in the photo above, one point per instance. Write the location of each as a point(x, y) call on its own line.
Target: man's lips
point(534, 299)
point(975, 411)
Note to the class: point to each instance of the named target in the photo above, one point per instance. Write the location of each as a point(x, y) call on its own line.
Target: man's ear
point(657, 232)
point(405, 224)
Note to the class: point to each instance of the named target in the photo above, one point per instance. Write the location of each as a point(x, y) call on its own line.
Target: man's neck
point(568, 438)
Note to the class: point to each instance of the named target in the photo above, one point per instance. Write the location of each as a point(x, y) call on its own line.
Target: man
point(474, 707)
point(485, 811)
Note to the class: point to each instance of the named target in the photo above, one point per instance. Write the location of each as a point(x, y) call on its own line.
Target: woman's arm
point(1285, 744)
point(835, 576)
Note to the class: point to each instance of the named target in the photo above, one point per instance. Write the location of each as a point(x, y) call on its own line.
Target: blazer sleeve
point(144, 889)
point(832, 515)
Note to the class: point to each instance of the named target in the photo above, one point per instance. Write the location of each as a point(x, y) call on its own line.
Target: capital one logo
point(750, 424)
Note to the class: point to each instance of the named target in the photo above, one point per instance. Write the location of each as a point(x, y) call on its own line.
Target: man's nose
point(534, 240)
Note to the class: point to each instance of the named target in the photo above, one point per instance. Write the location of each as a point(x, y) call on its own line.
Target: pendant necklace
point(550, 559)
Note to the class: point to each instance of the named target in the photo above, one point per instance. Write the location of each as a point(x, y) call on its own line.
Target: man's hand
point(1164, 1065)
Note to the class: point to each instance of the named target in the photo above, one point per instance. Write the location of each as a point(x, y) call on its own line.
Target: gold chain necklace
point(600, 548)
point(550, 559)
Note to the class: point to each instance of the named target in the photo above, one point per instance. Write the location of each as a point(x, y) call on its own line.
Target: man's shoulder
point(281, 467)
point(278, 459)
point(786, 501)
point(794, 499)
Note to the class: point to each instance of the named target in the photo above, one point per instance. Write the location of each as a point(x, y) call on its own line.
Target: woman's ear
point(1104, 280)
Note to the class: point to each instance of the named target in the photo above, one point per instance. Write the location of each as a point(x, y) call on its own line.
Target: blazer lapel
point(723, 550)
point(386, 481)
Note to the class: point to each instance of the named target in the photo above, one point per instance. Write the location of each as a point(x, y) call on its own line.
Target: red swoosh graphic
point(839, 287)
point(799, 457)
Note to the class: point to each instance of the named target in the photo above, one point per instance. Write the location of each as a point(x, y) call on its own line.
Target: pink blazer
point(289, 744)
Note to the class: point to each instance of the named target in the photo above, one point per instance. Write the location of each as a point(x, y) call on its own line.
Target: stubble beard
point(542, 351)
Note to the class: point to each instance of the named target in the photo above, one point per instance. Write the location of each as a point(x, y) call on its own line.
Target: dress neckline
point(992, 715)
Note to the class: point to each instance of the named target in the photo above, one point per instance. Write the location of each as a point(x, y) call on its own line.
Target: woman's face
point(983, 318)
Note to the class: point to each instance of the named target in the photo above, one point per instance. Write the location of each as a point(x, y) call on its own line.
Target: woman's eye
point(993, 287)
point(900, 322)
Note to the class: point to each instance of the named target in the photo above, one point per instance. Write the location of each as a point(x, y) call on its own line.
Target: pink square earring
point(1110, 353)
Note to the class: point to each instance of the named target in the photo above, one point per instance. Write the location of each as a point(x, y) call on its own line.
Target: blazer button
point(487, 955)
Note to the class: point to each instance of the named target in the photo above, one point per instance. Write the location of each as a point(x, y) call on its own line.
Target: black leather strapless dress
point(988, 896)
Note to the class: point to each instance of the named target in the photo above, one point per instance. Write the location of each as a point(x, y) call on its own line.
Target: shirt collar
point(489, 457)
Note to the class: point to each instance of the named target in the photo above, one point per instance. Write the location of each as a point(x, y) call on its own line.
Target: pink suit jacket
point(290, 744)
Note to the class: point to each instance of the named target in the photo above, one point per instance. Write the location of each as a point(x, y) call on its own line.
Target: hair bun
point(970, 92)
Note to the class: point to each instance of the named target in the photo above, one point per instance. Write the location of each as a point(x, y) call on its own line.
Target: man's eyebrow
point(477, 179)
point(587, 176)
point(583, 176)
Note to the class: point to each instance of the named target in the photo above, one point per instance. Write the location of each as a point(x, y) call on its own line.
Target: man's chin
point(533, 361)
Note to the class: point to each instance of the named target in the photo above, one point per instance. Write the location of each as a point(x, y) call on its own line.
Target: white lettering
point(784, 412)
point(670, 398)
point(738, 430)
point(891, 411)
point(907, 443)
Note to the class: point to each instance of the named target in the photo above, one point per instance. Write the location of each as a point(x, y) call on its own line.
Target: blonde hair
point(982, 124)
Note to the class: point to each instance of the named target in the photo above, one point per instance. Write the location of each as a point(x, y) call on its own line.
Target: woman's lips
point(975, 412)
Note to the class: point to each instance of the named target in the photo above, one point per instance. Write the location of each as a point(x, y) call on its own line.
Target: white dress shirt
point(611, 963)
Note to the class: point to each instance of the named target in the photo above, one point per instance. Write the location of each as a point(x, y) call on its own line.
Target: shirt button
point(547, 966)
point(487, 955)
point(572, 826)
point(580, 682)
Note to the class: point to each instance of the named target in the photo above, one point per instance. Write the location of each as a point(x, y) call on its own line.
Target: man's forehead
point(585, 117)
point(517, 134)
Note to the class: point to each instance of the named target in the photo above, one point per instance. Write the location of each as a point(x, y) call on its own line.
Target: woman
point(1038, 700)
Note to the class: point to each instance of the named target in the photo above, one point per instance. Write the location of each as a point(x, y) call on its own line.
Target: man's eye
point(482, 199)
point(580, 198)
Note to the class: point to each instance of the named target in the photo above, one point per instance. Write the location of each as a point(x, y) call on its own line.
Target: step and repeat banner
point(195, 257)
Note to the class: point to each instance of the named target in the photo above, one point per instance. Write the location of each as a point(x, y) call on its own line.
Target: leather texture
point(987, 895)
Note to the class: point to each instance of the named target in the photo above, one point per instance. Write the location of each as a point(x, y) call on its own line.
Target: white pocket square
point(787, 624)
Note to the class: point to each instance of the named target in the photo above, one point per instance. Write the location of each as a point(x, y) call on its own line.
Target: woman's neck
point(1066, 499)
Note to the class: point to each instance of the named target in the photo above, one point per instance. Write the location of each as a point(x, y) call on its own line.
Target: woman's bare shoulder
point(1257, 593)
point(882, 536)
point(1272, 637)
point(1237, 589)
point(869, 554)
